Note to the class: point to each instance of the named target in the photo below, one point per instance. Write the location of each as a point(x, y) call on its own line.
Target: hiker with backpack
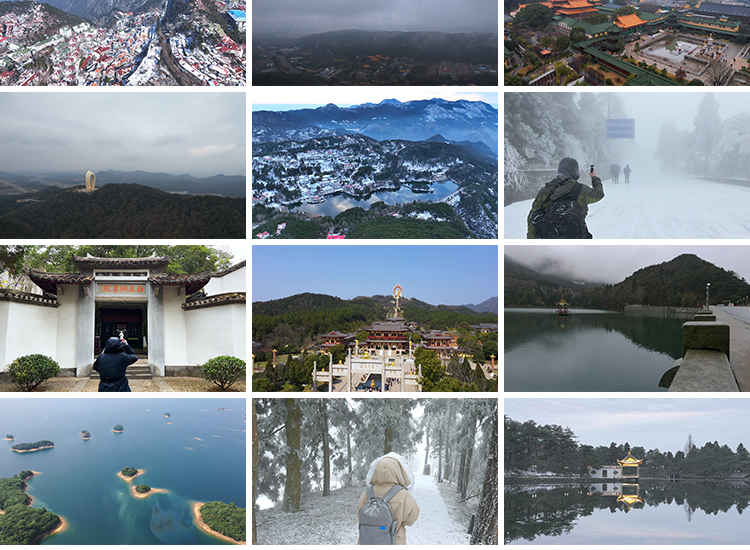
point(560, 208)
point(387, 507)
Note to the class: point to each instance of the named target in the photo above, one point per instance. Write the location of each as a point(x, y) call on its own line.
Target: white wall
point(27, 329)
point(236, 281)
point(217, 330)
point(175, 345)
point(67, 325)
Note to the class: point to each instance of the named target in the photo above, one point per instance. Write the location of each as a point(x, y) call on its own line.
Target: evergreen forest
point(542, 448)
point(324, 447)
point(33, 446)
point(226, 519)
point(20, 523)
point(680, 282)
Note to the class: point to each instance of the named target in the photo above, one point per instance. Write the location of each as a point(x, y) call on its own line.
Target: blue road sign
point(621, 128)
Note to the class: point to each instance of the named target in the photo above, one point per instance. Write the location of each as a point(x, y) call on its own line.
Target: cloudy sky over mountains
point(386, 15)
point(197, 133)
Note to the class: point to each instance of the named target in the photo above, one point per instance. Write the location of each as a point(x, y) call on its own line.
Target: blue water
point(197, 454)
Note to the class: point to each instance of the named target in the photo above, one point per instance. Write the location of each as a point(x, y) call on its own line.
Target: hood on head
point(114, 345)
point(568, 169)
point(389, 469)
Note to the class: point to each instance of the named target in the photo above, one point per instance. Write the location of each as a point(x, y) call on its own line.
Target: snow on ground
point(662, 206)
point(333, 519)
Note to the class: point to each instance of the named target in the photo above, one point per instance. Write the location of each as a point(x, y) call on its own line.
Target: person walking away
point(626, 171)
point(614, 170)
point(112, 364)
point(389, 479)
point(560, 208)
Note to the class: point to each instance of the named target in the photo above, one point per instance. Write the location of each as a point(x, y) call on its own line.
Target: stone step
point(139, 370)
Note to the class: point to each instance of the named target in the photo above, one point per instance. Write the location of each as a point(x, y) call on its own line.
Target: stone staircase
point(137, 371)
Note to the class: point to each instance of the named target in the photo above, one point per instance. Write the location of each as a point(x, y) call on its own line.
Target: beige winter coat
point(388, 473)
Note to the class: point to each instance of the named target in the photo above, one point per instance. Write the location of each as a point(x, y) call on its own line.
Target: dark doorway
point(128, 319)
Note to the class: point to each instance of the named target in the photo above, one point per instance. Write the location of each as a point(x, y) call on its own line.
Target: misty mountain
point(680, 282)
point(26, 181)
point(120, 211)
point(423, 46)
point(455, 121)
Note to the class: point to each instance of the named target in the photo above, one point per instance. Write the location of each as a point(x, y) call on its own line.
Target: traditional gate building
point(162, 316)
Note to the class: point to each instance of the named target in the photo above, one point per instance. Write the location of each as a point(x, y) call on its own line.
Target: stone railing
point(704, 366)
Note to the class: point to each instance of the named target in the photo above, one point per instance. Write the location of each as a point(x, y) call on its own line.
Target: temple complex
point(175, 321)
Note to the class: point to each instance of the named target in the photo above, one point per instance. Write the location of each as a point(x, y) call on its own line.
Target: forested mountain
point(122, 211)
point(95, 10)
point(541, 129)
point(327, 445)
point(302, 318)
point(554, 448)
point(680, 282)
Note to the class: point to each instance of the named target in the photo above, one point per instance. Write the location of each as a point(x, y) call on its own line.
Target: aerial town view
point(156, 43)
point(391, 44)
point(626, 43)
point(424, 168)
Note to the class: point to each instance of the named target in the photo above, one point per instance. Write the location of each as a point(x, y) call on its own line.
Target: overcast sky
point(387, 15)
point(652, 423)
point(613, 263)
point(440, 274)
point(198, 133)
point(282, 99)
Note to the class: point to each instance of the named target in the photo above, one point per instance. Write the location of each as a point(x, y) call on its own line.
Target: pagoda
point(629, 466)
point(562, 307)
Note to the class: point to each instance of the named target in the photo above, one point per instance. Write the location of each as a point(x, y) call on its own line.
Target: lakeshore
point(131, 478)
point(202, 524)
point(148, 493)
point(59, 528)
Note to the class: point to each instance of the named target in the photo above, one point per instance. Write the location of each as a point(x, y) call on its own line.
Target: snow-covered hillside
point(657, 206)
point(333, 519)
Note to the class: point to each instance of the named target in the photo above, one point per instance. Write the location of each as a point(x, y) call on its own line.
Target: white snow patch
point(657, 206)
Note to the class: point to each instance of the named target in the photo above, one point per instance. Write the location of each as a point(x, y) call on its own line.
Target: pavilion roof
point(628, 21)
point(48, 281)
point(629, 460)
point(192, 282)
point(121, 263)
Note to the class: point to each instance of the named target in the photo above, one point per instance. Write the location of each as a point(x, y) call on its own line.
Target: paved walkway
point(156, 384)
point(739, 342)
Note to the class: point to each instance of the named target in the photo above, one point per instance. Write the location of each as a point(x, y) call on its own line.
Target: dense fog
point(691, 134)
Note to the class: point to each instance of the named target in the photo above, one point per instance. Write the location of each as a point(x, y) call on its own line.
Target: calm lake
point(197, 454)
point(336, 204)
point(589, 350)
point(645, 514)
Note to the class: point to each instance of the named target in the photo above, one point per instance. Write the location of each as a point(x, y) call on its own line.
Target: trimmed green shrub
point(29, 371)
point(223, 370)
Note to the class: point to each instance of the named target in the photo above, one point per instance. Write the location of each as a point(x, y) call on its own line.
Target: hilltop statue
point(398, 294)
point(90, 179)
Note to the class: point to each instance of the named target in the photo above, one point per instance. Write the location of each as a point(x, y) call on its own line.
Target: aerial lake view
point(190, 450)
point(589, 350)
point(651, 512)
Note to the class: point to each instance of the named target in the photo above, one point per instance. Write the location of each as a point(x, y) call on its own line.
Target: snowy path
point(434, 525)
point(663, 207)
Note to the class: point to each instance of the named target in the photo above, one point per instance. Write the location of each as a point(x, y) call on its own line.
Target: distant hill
point(490, 304)
point(304, 317)
point(678, 282)
point(228, 186)
point(122, 211)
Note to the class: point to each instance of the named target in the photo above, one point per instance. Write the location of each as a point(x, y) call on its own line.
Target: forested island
point(29, 447)
point(19, 522)
point(118, 429)
point(128, 474)
point(9, 437)
point(143, 490)
point(223, 520)
point(85, 434)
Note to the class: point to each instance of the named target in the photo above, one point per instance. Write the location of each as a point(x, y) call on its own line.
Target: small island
point(85, 434)
point(222, 520)
point(29, 524)
point(143, 490)
point(118, 429)
point(31, 447)
point(9, 437)
point(167, 415)
point(129, 474)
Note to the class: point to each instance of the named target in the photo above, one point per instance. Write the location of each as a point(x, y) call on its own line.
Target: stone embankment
point(640, 307)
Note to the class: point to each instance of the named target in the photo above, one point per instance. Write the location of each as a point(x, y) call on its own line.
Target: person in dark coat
point(627, 171)
point(112, 363)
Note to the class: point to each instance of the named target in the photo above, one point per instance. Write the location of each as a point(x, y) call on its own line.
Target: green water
point(589, 350)
point(197, 454)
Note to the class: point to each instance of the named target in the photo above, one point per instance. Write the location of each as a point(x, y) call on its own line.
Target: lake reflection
point(589, 350)
point(649, 513)
point(336, 204)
